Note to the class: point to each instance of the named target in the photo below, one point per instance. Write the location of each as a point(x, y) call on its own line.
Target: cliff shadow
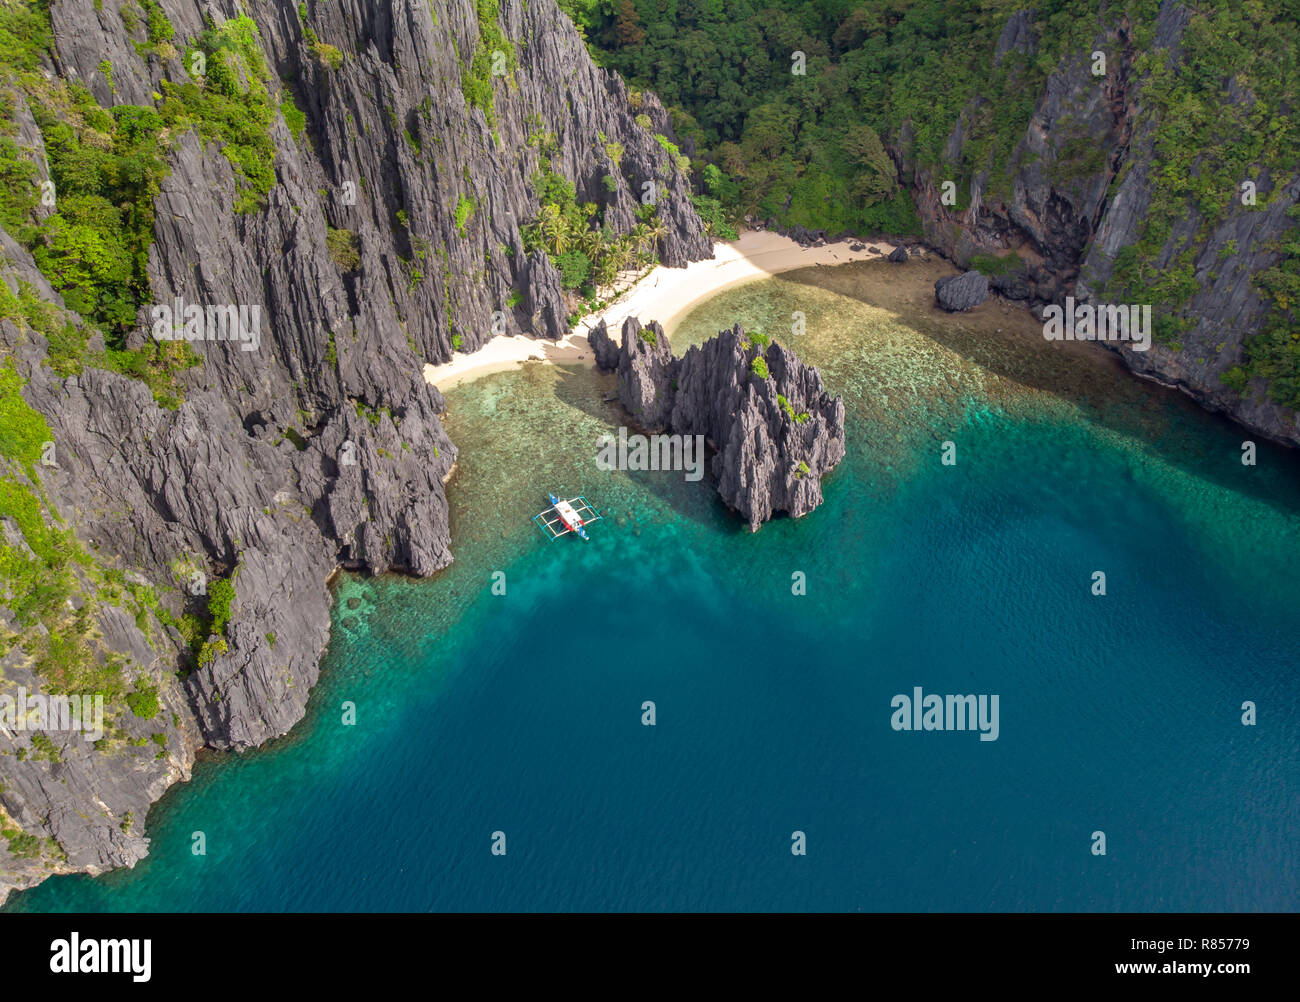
point(594, 393)
point(1168, 423)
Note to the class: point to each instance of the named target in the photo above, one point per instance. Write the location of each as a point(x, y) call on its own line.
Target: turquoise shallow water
point(521, 712)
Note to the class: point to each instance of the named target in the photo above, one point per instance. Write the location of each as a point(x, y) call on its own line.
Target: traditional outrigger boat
point(564, 517)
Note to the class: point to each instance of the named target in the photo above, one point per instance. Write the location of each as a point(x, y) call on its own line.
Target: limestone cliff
point(390, 237)
point(1080, 190)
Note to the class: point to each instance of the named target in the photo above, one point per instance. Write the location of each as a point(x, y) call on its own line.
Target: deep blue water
point(522, 713)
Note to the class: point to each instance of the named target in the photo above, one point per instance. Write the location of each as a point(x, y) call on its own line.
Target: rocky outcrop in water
point(958, 293)
point(324, 447)
point(646, 372)
point(603, 348)
point(774, 429)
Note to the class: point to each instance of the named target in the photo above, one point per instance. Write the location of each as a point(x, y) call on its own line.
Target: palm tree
point(551, 223)
point(645, 246)
point(592, 243)
point(657, 231)
point(636, 245)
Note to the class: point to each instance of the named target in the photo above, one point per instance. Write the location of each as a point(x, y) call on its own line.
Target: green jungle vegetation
point(813, 149)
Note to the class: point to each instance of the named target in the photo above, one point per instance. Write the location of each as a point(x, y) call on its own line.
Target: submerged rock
point(957, 293)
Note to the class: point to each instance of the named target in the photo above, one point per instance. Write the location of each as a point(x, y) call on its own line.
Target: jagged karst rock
point(1012, 284)
point(775, 430)
point(1017, 35)
point(770, 455)
point(806, 237)
point(604, 349)
point(323, 448)
point(801, 235)
point(957, 293)
point(543, 298)
point(646, 370)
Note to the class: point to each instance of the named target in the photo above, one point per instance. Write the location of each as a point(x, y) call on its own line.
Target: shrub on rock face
point(221, 593)
point(344, 248)
point(143, 701)
point(465, 207)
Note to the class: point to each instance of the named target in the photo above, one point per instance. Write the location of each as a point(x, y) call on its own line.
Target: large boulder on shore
point(898, 255)
point(957, 293)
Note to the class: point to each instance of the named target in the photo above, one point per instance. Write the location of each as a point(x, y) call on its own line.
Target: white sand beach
point(664, 294)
